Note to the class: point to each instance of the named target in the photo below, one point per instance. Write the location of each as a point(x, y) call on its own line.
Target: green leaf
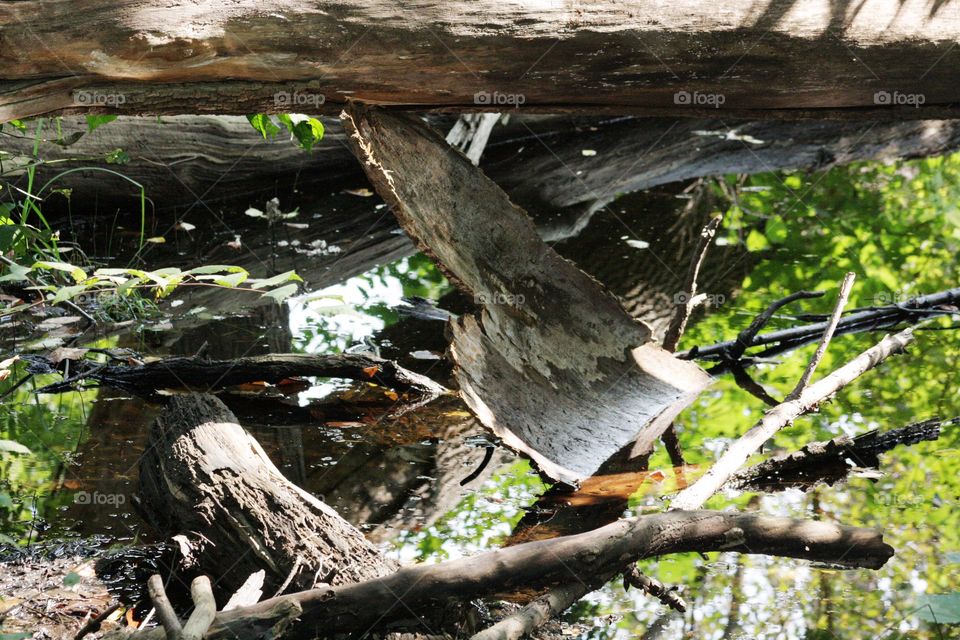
point(67, 293)
point(308, 132)
point(17, 124)
point(94, 121)
point(9, 446)
point(231, 280)
point(286, 276)
point(776, 230)
point(75, 272)
point(71, 579)
point(942, 609)
point(262, 123)
point(214, 268)
point(16, 273)
point(282, 293)
point(756, 241)
point(117, 156)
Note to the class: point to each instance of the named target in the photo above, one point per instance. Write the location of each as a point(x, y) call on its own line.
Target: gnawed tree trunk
point(554, 366)
point(785, 57)
point(204, 474)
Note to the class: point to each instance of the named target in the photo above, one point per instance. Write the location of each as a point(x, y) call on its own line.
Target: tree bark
point(786, 58)
point(554, 365)
point(203, 473)
point(530, 567)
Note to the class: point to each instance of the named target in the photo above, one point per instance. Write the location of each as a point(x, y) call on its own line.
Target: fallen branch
point(882, 318)
point(833, 460)
point(592, 556)
point(534, 614)
point(842, 298)
point(784, 414)
point(201, 375)
point(651, 586)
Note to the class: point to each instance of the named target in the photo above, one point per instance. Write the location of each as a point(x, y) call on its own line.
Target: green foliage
point(305, 130)
point(159, 283)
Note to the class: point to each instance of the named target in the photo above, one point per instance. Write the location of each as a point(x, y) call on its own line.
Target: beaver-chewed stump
point(206, 478)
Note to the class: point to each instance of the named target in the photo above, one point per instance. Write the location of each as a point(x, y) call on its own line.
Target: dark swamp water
point(399, 480)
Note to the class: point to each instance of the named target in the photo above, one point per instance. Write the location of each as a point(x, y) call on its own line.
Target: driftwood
point(832, 461)
point(782, 58)
point(554, 366)
point(196, 374)
point(409, 598)
point(205, 477)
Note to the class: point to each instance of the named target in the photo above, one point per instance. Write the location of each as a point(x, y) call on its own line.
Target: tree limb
point(784, 414)
point(592, 556)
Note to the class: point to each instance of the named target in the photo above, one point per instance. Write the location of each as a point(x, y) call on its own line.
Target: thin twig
point(696, 495)
point(668, 596)
point(94, 623)
point(168, 619)
point(679, 323)
point(691, 300)
point(842, 298)
point(534, 614)
point(746, 337)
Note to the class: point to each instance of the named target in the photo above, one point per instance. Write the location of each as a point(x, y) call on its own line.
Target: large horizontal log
point(413, 594)
point(783, 58)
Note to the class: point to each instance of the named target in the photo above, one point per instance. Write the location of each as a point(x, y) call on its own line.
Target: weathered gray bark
point(593, 557)
point(201, 161)
point(783, 58)
point(554, 365)
point(203, 473)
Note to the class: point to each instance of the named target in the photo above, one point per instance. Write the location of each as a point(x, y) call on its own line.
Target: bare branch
point(204, 609)
point(784, 414)
point(746, 337)
point(534, 614)
point(668, 596)
point(682, 314)
point(164, 610)
point(844, 294)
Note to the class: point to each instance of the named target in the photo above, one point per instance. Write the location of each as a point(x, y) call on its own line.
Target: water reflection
point(399, 478)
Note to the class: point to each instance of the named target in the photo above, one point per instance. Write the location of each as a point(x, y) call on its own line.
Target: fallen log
point(410, 597)
point(203, 476)
point(554, 366)
point(832, 461)
point(200, 375)
point(783, 58)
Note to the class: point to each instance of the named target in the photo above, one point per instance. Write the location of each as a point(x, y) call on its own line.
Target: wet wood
point(201, 375)
point(782, 58)
point(202, 473)
point(554, 365)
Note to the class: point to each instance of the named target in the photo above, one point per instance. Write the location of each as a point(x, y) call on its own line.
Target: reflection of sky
point(334, 319)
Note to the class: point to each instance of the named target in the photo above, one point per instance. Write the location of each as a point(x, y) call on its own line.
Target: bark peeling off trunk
point(554, 366)
point(204, 473)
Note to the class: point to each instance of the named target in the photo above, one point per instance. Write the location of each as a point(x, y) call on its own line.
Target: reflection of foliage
point(51, 427)
point(350, 312)
point(896, 227)
point(482, 520)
